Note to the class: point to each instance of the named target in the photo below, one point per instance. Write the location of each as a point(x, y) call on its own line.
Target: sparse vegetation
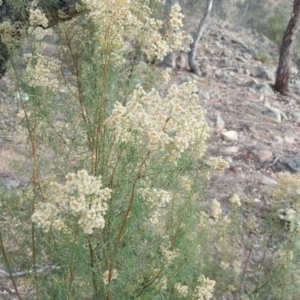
point(264, 57)
point(277, 23)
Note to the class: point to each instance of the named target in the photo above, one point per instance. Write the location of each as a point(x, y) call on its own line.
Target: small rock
point(206, 69)
point(278, 139)
point(263, 155)
point(220, 123)
point(256, 200)
point(239, 58)
point(219, 74)
point(227, 52)
point(203, 95)
point(294, 163)
point(232, 149)
point(227, 62)
point(186, 79)
point(262, 72)
point(21, 96)
point(275, 113)
point(223, 76)
point(259, 256)
point(246, 72)
point(252, 52)
point(294, 70)
point(230, 135)
point(11, 183)
point(21, 114)
point(295, 83)
point(228, 159)
point(297, 115)
point(263, 88)
point(218, 45)
point(247, 56)
point(269, 181)
point(289, 139)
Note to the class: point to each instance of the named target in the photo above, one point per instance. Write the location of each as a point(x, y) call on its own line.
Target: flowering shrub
point(119, 224)
point(173, 123)
point(81, 196)
point(122, 20)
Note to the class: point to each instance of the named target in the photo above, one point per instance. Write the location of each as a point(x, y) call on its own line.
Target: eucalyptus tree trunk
point(198, 35)
point(288, 41)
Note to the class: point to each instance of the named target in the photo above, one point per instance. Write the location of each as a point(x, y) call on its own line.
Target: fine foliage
point(112, 204)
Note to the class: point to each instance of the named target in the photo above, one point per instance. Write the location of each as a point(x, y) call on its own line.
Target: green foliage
point(122, 229)
point(264, 57)
point(277, 23)
point(250, 13)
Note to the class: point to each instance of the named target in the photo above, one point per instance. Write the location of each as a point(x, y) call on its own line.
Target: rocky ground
point(255, 129)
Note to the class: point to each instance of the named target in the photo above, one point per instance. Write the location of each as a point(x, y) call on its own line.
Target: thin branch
point(199, 33)
point(8, 267)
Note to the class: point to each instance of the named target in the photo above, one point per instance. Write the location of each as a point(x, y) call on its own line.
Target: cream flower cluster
point(172, 123)
point(111, 17)
point(120, 21)
point(36, 16)
point(218, 163)
point(216, 209)
point(106, 278)
point(38, 32)
point(161, 283)
point(40, 69)
point(235, 199)
point(155, 199)
point(182, 290)
point(82, 196)
point(284, 257)
point(157, 46)
point(169, 255)
point(186, 182)
point(205, 290)
point(176, 17)
point(165, 75)
point(7, 32)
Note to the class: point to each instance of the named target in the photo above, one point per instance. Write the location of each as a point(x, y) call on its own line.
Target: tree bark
point(199, 33)
point(283, 70)
point(18, 14)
